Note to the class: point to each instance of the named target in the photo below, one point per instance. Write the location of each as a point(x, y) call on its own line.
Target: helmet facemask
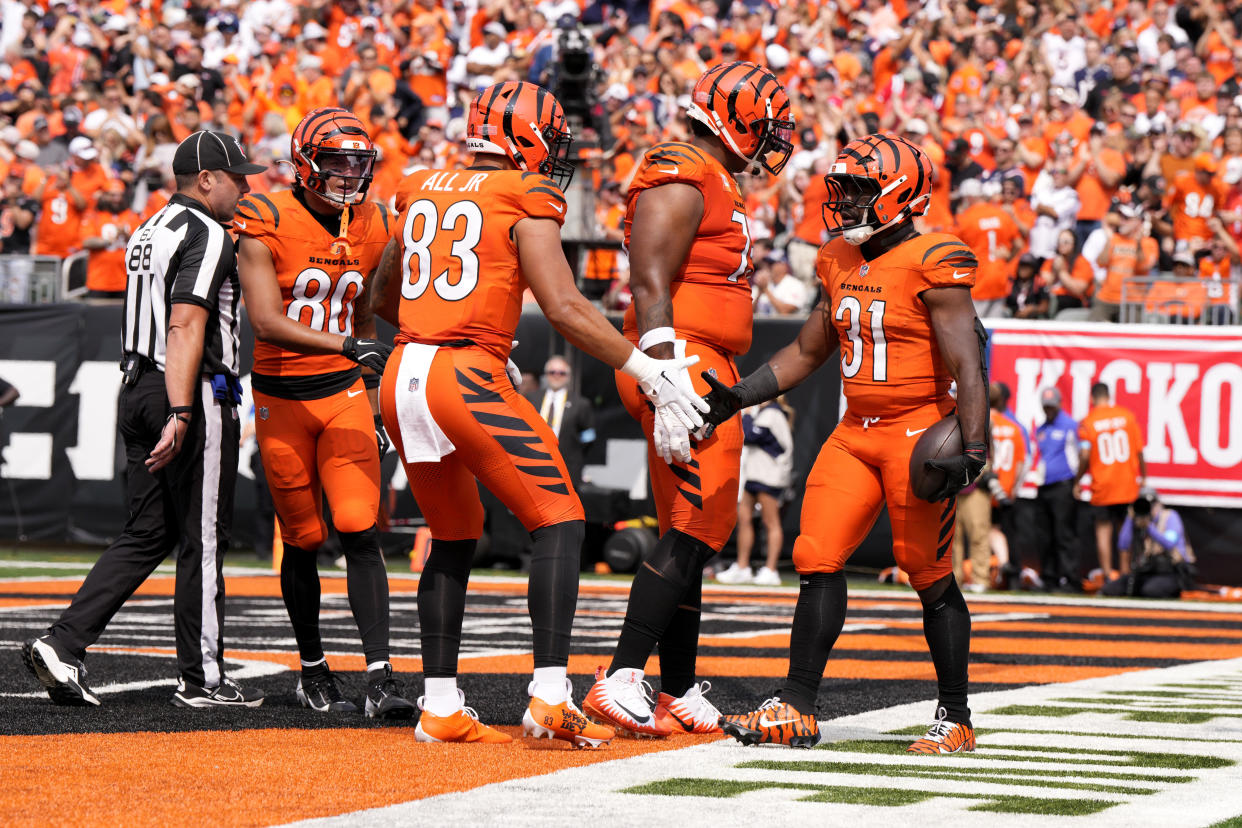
point(775, 143)
point(556, 164)
point(848, 211)
point(350, 169)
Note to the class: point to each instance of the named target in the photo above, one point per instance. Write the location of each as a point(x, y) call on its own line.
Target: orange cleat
point(565, 721)
point(460, 726)
point(774, 723)
point(945, 737)
point(691, 713)
point(622, 702)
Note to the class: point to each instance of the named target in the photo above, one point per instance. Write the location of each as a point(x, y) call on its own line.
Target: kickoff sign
point(1183, 383)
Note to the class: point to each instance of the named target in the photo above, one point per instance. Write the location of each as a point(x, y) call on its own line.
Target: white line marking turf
point(1111, 759)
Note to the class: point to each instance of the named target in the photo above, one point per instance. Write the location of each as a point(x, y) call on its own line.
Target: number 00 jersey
point(711, 292)
point(460, 275)
point(890, 360)
point(317, 287)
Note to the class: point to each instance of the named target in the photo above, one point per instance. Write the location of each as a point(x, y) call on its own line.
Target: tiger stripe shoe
point(945, 737)
point(774, 723)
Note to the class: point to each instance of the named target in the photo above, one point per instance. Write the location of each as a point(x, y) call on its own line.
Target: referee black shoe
point(228, 694)
point(322, 694)
point(60, 672)
point(384, 696)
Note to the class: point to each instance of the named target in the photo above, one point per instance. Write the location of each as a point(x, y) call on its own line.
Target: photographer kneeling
point(1155, 538)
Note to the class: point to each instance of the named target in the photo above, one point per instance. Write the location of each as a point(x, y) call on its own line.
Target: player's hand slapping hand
point(959, 471)
point(370, 353)
point(666, 382)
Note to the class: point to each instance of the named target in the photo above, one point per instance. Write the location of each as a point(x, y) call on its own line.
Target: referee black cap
point(207, 150)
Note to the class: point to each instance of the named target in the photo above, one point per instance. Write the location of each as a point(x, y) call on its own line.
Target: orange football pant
point(500, 441)
point(864, 465)
point(698, 498)
point(315, 447)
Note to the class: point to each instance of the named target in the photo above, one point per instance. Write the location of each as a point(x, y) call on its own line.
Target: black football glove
point(381, 436)
point(367, 352)
point(722, 403)
point(960, 471)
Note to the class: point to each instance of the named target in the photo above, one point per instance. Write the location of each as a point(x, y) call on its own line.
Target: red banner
point(1183, 383)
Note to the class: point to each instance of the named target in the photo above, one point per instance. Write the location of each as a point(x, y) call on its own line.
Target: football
point(944, 439)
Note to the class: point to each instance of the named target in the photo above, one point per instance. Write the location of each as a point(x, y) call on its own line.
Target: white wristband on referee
point(656, 336)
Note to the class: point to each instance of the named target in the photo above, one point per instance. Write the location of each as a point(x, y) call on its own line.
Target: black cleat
point(61, 673)
point(321, 693)
point(385, 699)
point(228, 694)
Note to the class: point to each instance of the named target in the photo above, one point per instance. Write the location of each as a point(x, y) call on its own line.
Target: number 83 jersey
point(319, 282)
point(890, 360)
point(460, 274)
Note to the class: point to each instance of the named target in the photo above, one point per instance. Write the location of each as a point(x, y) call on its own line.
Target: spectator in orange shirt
point(1193, 198)
point(1068, 274)
point(89, 177)
point(61, 206)
point(1096, 173)
point(316, 87)
point(994, 238)
point(1126, 253)
point(105, 232)
point(1221, 266)
point(603, 264)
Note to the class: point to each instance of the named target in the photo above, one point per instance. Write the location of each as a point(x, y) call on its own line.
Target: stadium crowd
point(1081, 146)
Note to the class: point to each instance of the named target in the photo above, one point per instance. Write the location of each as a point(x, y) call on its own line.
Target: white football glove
point(670, 437)
point(666, 382)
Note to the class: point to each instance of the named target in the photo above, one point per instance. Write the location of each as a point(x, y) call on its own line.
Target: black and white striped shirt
point(182, 254)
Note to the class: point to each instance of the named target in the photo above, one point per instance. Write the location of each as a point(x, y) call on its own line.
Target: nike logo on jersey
point(239, 224)
point(910, 433)
point(558, 208)
point(957, 275)
point(764, 721)
point(352, 394)
point(670, 170)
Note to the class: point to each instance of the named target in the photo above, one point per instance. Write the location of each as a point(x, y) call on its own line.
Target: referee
point(178, 415)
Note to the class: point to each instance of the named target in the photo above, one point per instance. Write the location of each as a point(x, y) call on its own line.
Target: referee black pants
point(187, 508)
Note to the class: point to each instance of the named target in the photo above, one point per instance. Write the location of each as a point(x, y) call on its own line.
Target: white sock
point(441, 697)
point(377, 665)
point(306, 664)
point(549, 685)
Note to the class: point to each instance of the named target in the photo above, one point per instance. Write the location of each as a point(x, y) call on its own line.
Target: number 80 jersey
point(460, 275)
point(711, 292)
point(318, 287)
point(890, 360)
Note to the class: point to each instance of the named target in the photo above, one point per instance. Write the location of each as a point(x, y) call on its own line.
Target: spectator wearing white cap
point(111, 113)
point(1056, 208)
point(483, 60)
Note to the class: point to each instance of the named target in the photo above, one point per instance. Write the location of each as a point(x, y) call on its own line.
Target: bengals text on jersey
point(461, 289)
point(896, 386)
point(318, 287)
point(711, 292)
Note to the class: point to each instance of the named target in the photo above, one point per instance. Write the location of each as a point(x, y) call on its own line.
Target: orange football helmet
point(328, 144)
point(745, 106)
point(876, 181)
point(524, 123)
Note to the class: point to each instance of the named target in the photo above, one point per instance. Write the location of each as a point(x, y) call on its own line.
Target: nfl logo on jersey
point(862, 271)
point(413, 384)
point(263, 412)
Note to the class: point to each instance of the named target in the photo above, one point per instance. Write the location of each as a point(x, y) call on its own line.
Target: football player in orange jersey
point(689, 244)
point(452, 278)
point(898, 305)
point(1112, 451)
point(305, 259)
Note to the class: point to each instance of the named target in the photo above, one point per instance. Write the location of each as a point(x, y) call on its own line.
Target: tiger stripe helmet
point(876, 181)
point(745, 106)
point(526, 124)
point(330, 144)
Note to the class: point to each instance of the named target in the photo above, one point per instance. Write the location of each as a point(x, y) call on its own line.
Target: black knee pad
point(361, 547)
point(951, 600)
point(820, 580)
point(560, 540)
point(679, 557)
point(451, 558)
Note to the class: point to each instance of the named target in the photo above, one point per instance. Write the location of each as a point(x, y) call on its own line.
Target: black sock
point(679, 646)
point(946, 625)
point(552, 591)
point(299, 586)
point(818, 618)
point(655, 595)
point(367, 581)
point(442, 604)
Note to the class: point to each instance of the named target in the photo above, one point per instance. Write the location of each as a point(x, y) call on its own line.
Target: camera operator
point(1154, 537)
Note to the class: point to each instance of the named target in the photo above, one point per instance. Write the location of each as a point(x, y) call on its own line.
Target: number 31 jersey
point(318, 286)
point(711, 292)
point(460, 275)
point(890, 360)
